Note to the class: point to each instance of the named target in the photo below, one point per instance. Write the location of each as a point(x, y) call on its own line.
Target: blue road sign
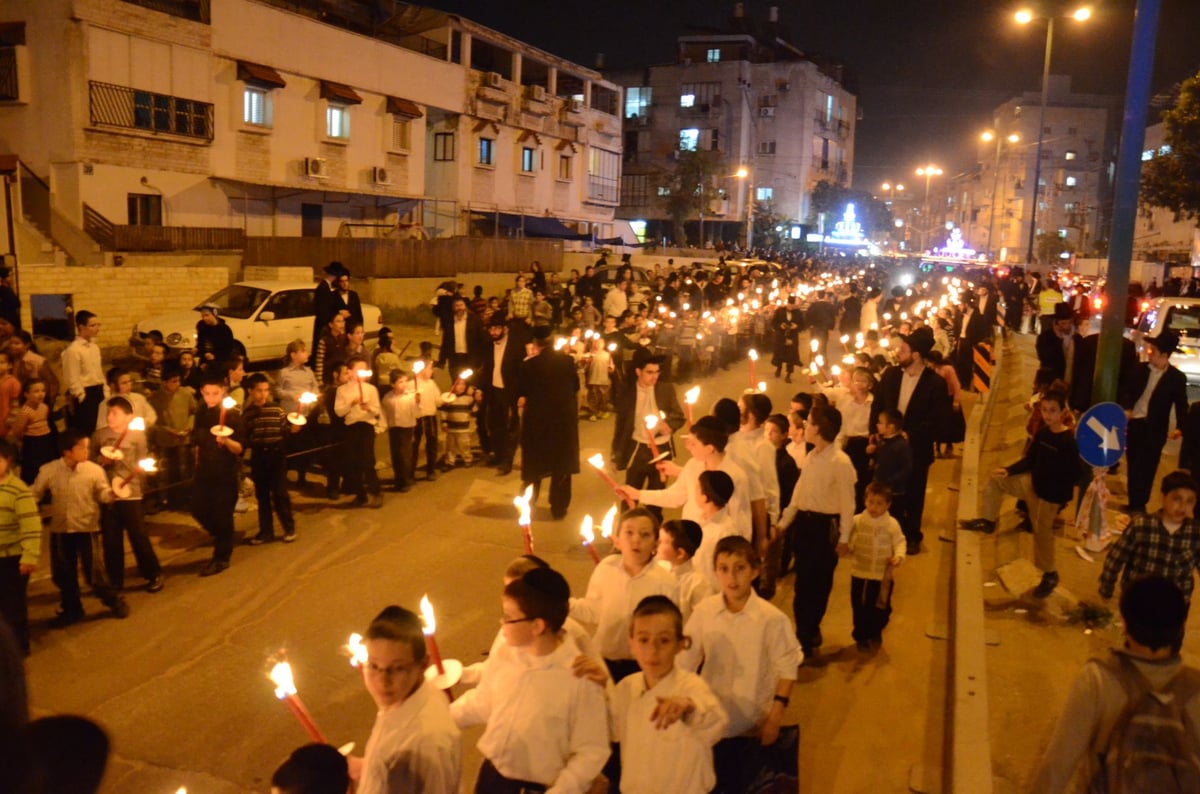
point(1101, 434)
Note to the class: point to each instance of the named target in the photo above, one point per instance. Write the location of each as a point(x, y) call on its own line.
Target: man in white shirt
point(83, 373)
point(357, 400)
point(750, 443)
point(616, 301)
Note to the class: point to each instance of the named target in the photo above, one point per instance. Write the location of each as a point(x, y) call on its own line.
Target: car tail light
point(1097, 302)
point(1145, 306)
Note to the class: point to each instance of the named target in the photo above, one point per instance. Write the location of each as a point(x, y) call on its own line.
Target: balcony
point(195, 10)
point(820, 164)
point(119, 106)
point(115, 237)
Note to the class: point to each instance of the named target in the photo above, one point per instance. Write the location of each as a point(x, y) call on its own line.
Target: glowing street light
point(744, 173)
point(987, 137)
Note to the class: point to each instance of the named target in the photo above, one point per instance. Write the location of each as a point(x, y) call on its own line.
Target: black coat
point(1084, 370)
point(510, 368)
point(326, 303)
point(1050, 352)
point(477, 340)
point(1171, 392)
point(550, 423)
point(928, 406)
point(349, 302)
point(216, 340)
point(787, 324)
point(626, 403)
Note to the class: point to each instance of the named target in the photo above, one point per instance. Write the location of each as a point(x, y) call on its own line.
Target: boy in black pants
point(215, 485)
point(267, 430)
point(357, 401)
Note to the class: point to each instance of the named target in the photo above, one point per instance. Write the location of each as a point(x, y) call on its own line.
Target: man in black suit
point(821, 317)
point(462, 339)
point(1154, 389)
point(499, 380)
point(645, 395)
point(1056, 345)
point(326, 301)
point(974, 327)
point(787, 324)
point(920, 395)
point(548, 385)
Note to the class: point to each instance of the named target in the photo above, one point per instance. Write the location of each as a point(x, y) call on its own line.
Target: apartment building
point(1158, 235)
point(758, 101)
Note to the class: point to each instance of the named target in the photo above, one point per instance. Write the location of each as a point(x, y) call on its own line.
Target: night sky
point(927, 72)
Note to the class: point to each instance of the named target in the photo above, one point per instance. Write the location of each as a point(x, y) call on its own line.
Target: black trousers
point(84, 417)
point(1144, 449)
point(400, 445)
point(914, 504)
point(360, 460)
point(869, 619)
point(856, 450)
point(560, 492)
point(212, 507)
point(503, 423)
point(125, 516)
point(178, 464)
point(490, 781)
point(13, 607)
point(69, 550)
point(427, 429)
point(640, 473)
point(268, 472)
point(814, 542)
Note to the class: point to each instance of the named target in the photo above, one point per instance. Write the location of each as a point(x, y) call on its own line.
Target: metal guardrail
point(121, 106)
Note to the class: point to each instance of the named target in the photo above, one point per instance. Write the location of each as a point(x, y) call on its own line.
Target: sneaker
point(258, 540)
point(1047, 585)
point(119, 608)
point(214, 567)
point(431, 475)
point(979, 525)
point(289, 537)
point(156, 584)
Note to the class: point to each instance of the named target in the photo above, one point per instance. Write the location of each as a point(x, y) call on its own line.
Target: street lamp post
point(1024, 17)
point(929, 172)
point(744, 173)
point(987, 137)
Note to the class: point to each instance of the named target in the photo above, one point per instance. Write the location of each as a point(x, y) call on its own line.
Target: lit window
point(1069, 206)
point(1071, 181)
point(1164, 149)
point(1062, 233)
point(664, 191)
point(764, 193)
point(1041, 181)
point(1147, 155)
point(714, 55)
point(401, 133)
point(337, 122)
point(565, 166)
point(687, 100)
point(528, 159)
point(487, 151)
point(256, 107)
point(1069, 155)
point(637, 100)
point(689, 140)
point(443, 146)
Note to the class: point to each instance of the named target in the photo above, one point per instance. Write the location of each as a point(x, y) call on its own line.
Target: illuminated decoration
point(954, 251)
point(848, 232)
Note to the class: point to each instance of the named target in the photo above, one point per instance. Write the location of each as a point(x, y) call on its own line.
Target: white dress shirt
point(612, 594)
point(752, 446)
point(460, 334)
point(367, 410)
point(76, 494)
point(694, 585)
point(414, 746)
point(505, 660)
point(400, 410)
point(544, 726)
point(615, 302)
point(745, 656)
point(715, 528)
point(82, 367)
point(908, 384)
point(856, 416)
point(498, 348)
point(676, 760)
point(1142, 406)
point(826, 485)
point(646, 405)
point(428, 396)
point(684, 491)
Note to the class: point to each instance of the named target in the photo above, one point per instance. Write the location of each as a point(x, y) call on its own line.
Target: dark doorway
point(310, 220)
point(52, 316)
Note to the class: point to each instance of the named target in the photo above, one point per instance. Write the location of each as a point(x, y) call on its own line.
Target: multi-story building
point(758, 101)
point(1159, 236)
point(992, 202)
point(237, 118)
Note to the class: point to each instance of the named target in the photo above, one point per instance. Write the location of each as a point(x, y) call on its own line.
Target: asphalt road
point(181, 684)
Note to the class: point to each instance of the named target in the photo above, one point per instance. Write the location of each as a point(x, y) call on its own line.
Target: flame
point(753, 354)
point(845, 338)
point(820, 361)
point(612, 348)
point(651, 421)
point(762, 386)
point(466, 373)
point(138, 423)
point(430, 624)
point(835, 370)
point(418, 367)
point(181, 790)
point(281, 677)
point(522, 502)
point(885, 342)
point(849, 360)
point(588, 334)
point(574, 341)
point(148, 465)
point(586, 532)
point(560, 343)
point(357, 651)
point(606, 523)
point(363, 374)
point(307, 398)
point(227, 403)
point(814, 345)
point(596, 460)
point(691, 395)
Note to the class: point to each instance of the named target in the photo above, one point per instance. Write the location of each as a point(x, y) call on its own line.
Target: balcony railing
point(114, 237)
point(10, 90)
point(120, 106)
point(195, 10)
point(819, 164)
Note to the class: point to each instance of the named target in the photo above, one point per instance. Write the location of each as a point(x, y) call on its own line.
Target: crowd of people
point(672, 671)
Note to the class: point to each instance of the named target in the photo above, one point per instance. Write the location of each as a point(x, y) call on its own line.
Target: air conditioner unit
point(493, 80)
point(767, 113)
point(316, 167)
point(380, 176)
point(537, 93)
point(575, 105)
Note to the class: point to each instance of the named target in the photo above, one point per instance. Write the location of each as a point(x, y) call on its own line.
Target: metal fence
point(121, 106)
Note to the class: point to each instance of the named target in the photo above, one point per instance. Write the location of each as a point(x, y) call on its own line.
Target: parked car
point(263, 315)
point(1180, 315)
point(641, 278)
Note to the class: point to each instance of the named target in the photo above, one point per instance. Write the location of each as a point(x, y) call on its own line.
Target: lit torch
point(298, 417)
point(442, 673)
point(607, 523)
point(220, 430)
point(285, 690)
point(462, 377)
point(597, 462)
point(114, 452)
point(363, 375)
point(689, 399)
point(753, 363)
point(524, 517)
point(589, 538)
point(651, 423)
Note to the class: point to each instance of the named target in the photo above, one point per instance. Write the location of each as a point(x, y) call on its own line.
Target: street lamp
point(987, 137)
point(890, 189)
point(744, 173)
point(929, 172)
point(1024, 17)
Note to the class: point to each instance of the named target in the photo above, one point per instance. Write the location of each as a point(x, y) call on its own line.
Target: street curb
point(970, 746)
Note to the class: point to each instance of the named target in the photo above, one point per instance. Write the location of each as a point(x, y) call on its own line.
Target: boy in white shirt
point(666, 720)
point(357, 401)
point(618, 584)
point(547, 730)
point(428, 397)
point(716, 489)
point(749, 656)
point(414, 744)
point(678, 542)
point(400, 415)
point(878, 547)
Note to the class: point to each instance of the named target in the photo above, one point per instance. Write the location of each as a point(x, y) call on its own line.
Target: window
point(1069, 206)
point(487, 151)
point(443, 146)
point(528, 159)
point(1147, 155)
point(1041, 181)
point(1062, 233)
point(711, 140)
point(689, 140)
point(145, 209)
point(664, 191)
point(714, 55)
point(401, 133)
point(637, 101)
point(156, 112)
point(764, 193)
point(1072, 130)
point(700, 96)
point(337, 122)
point(604, 175)
point(1069, 155)
point(635, 190)
point(256, 106)
point(1165, 149)
point(1070, 181)
point(1047, 130)
point(566, 166)
point(768, 100)
point(766, 147)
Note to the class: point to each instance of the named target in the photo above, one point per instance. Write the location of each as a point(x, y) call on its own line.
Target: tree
point(831, 199)
point(766, 224)
point(1050, 246)
point(1172, 180)
point(691, 188)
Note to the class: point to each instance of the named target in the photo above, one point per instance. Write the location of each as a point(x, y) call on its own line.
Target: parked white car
point(1180, 315)
point(263, 315)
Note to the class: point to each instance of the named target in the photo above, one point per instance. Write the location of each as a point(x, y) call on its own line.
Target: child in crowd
point(666, 720)
point(296, 377)
point(678, 542)
point(10, 391)
point(176, 409)
point(715, 491)
point(1165, 544)
point(33, 432)
point(591, 315)
point(384, 360)
point(215, 483)
point(1044, 381)
point(599, 385)
point(120, 384)
point(427, 397)
point(618, 583)
point(414, 744)
point(747, 653)
point(267, 430)
point(878, 546)
point(20, 544)
point(546, 727)
point(312, 769)
point(357, 401)
point(190, 374)
point(333, 432)
point(400, 414)
point(455, 407)
point(152, 372)
point(235, 372)
point(27, 364)
point(893, 459)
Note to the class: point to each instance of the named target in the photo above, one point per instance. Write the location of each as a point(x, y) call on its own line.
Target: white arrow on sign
point(1108, 435)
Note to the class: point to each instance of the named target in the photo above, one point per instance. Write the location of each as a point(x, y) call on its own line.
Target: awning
point(259, 75)
point(270, 191)
point(534, 225)
point(403, 107)
point(339, 93)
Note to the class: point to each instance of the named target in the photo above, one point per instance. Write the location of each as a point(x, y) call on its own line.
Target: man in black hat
point(326, 300)
point(974, 327)
point(1056, 345)
point(920, 395)
point(1154, 389)
point(548, 384)
point(498, 378)
point(646, 395)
